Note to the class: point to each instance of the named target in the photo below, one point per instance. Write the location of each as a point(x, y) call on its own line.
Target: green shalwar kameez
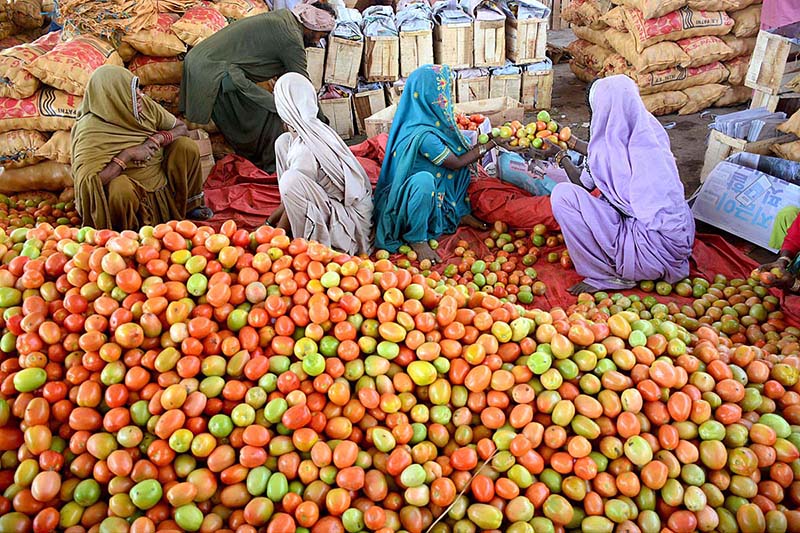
point(220, 77)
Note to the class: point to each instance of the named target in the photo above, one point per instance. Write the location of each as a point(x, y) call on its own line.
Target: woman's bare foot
point(473, 222)
point(424, 251)
point(580, 288)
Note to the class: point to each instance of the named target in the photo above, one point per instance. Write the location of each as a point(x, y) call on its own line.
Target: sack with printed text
point(703, 50)
point(738, 68)
point(199, 23)
point(16, 80)
point(679, 78)
point(47, 110)
point(70, 64)
point(680, 24)
point(582, 72)
point(597, 37)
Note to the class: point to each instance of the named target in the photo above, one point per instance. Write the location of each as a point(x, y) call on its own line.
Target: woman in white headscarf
point(325, 193)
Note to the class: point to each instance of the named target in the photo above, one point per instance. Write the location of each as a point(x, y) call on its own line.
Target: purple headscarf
point(631, 164)
point(629, 155)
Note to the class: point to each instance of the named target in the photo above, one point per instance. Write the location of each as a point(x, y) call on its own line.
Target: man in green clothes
point(220, 75)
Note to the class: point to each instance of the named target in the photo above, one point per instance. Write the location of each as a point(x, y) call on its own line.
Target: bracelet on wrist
point(119, 162)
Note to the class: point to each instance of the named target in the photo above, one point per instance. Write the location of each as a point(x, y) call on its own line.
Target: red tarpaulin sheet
point(239, 191)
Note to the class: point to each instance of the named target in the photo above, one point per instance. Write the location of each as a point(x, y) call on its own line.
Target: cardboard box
point(200, 137)
point(744, 193)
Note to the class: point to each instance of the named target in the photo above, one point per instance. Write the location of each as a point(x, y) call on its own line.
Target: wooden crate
point(340, 114)
point(416, 49)
point(368, 103)
point(497, 110)
point(537, 89)
point(469, 90)
point(315, 59)
point(453, 45)
point(380, 122)
point(490, 43)
point(381, 59)
point(526, 40)
point(505, 85)
point(770, 69)
point(393, 93)
point(721, 146)
point(344, 61)
point(556, 22)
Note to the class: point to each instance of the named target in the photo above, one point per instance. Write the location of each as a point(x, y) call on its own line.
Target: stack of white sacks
point(44, 81)
point(685, 55)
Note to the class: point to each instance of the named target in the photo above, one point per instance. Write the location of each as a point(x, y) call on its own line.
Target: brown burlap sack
point(734, 96)
point(16, 81)
point(46, 176)
point(651, 59)
point(679, 78)
point(18, 148)
point(27, 14)
point(199, 23)
point(664, 103)
point(588, 54)
point(738, 5)
point(738, 69)
point(740, 46)
point(616, 64)
point(615, 19)
point(654, 8)
point(712, 5)
point(582, 72)
point(159, 40)
point(58, 148)
point(47, 110)
point(168, 96)
point(703, 50)
point(680, 24)
point(239, 9)
point(790, 151)
point(7, 29)
point(69, 65)
point(157, 70)
point(126, 52)
point(701, 97)
point(792, 125)
point(11, 42)
point(597, 37)
point(747, 22)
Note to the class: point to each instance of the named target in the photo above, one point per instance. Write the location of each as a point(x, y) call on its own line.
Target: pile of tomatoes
point(25, 210)
point(470, 122)
point(180, 379)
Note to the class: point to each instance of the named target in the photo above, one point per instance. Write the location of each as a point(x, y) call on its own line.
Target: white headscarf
point(296, 102)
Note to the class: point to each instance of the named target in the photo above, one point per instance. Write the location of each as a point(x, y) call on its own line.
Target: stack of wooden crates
point(485, 44)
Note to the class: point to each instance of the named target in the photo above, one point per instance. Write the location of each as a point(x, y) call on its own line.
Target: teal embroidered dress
point(416, 198)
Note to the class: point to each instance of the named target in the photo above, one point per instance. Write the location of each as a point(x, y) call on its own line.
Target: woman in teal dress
point(422, 190)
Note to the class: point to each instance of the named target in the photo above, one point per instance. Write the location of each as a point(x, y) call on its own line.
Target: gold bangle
point(559, 157)
point(119, 162)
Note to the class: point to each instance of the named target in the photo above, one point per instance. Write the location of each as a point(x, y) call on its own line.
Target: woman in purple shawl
point(640, 228)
